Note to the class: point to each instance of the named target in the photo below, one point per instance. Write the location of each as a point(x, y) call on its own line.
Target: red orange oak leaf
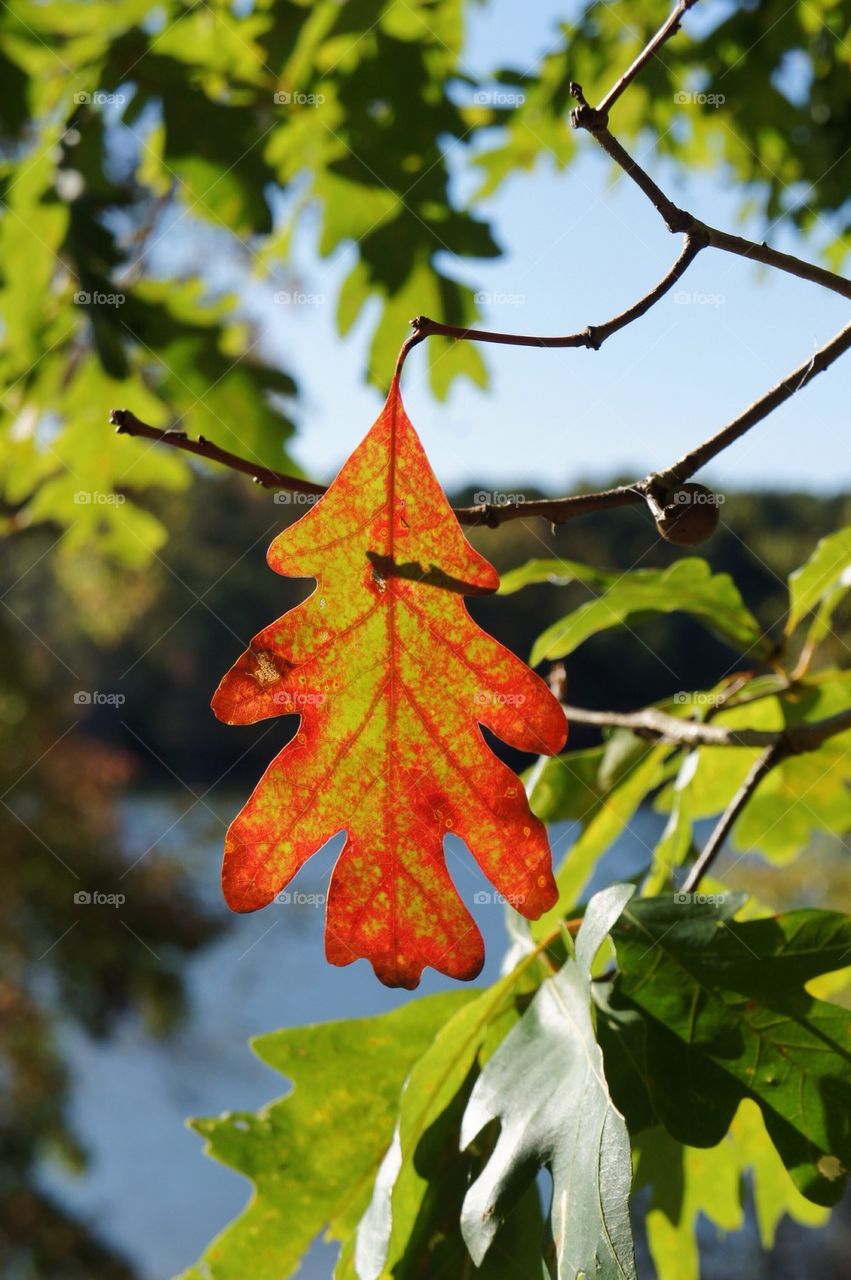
point(391, 679)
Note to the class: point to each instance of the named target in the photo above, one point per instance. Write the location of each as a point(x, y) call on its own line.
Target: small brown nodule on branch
point(657, 490)
point(662, 491)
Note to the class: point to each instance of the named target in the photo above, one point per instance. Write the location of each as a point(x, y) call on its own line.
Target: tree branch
point(596, 121)
point(593, 336)
point(761, 408)
point(761, 768)
point(650, 490)
point(650, 722)
point(655, 487)
point(777, 746)
point(127, 424)
point(677, 219)
point(669, 27)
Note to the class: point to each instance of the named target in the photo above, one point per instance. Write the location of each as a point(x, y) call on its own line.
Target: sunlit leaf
point(346, 1078)
point(687, 586)
point(391, 679)
point(727, 1017)
point(546, 1086)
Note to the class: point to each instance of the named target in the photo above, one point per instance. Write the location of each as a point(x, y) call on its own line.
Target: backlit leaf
point(428, 1111)
point(546, 1086)
point(391, 679)
point(346, 1078)
point(820, 584)
point(687, 586)
point(727, 1017)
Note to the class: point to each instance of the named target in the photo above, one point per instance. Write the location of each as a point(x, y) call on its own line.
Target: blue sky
point(579, 247)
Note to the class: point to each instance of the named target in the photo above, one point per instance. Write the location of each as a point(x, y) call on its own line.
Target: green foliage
point(704, 1045)
point(820, 584)
point(687, 586)
point(603, 806)
point(802, 797)
point(727, 1018)
point(124, 123)
point(688, 1183)
point(397, 1228)
point(546, 1087)
point(699, 105)
point(303, 1183)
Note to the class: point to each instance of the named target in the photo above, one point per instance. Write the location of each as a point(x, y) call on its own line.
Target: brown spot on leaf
point(830, 1167)
point(265, 672)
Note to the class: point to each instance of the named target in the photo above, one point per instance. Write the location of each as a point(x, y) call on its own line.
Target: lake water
point(148, 1188)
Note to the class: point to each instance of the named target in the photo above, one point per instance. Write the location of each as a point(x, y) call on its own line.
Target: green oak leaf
point(687, 586)
point(312, 1155)
point(688, 1182)
point(820, 585)
point(727, 1017)
point(603, 802)
point(404, 1187)
point(805, 795)
point(546, 1086)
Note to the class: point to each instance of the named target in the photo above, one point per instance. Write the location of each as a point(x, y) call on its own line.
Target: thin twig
point(553, 510)
point(413, 340)
point(652, 723)
point(778, 745)
point(593, 336)
point(761, 768)
point(677, 219)
point(669, 28)
point(128, 424)
point(595, 120)
point(761, 408)
point(655, 486)
point(658, 483)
